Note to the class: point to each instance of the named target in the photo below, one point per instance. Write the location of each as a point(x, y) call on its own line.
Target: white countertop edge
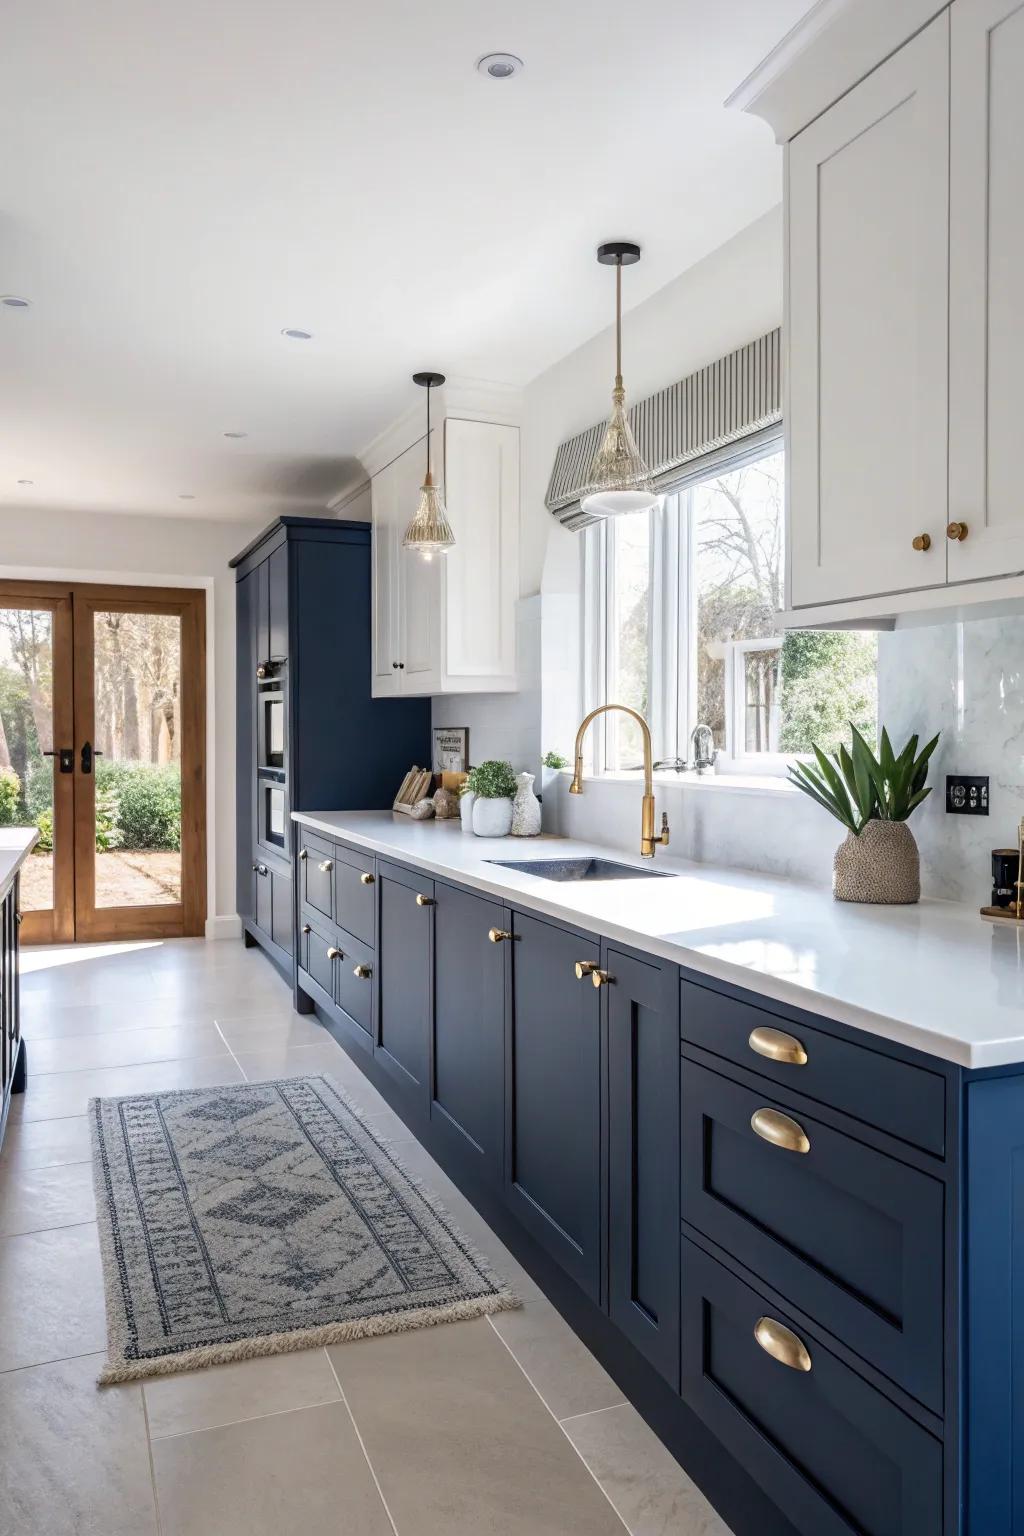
point(16, 843)
point(927, 1039)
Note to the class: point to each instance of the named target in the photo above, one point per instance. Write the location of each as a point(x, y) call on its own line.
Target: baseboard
point(224, 927)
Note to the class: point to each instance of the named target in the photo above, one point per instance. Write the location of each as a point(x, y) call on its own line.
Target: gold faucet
point(648, 841)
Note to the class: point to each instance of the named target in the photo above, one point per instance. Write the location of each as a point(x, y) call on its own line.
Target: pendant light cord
point(430, 479)
point(618, 324)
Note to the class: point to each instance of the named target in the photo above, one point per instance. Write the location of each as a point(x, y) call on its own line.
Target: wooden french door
point(102, 746)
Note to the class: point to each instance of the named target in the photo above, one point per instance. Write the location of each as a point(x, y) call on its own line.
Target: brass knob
point(601, 978)
point(585, 968)
point(957, 532)
point(362, 971)
point(366, 879)
point(326, 866)
point(306, 928)
point(424, 901)
point(261, 671)
point(782, 1344)
point(778, 1129)
point(303, 853)
point(497, 934)
point(777, 1046)
point(923, 541)
point(334, 953)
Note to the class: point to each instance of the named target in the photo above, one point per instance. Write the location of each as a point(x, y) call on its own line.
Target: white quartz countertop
point(934, 977)
point(16, 843)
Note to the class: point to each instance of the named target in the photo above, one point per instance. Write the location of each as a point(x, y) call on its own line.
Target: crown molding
point(829, 50)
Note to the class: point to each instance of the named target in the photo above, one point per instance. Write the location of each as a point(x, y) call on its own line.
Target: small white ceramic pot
point(492, 818)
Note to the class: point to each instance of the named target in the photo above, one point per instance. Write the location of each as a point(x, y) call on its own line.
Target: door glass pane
point(629, 638)
point(138, 769)
point(26, 733)
point(761, 699)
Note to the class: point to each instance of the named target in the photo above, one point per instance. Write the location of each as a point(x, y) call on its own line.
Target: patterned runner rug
point(263, 1217)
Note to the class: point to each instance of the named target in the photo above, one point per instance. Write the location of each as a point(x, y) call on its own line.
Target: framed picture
point(451, 749)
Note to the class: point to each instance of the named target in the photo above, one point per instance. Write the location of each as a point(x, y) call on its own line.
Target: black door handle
point(88, 753)
point(66, 757)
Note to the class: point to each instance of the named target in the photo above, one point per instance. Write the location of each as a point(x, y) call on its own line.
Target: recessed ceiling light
point(499, 66)
point(236, 434)
point(13, 302)
point(294, 335)
point(26, 482)
point(185, 496)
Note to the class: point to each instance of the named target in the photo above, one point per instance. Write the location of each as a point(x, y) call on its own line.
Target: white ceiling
point(180, 181)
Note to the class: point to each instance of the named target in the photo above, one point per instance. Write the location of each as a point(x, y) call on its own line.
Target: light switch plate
point(967, 794)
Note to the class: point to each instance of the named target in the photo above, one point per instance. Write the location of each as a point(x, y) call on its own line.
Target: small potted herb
point(872, 796)
point(493, 785)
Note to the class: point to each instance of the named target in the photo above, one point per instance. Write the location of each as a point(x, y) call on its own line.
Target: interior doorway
point(102, 747)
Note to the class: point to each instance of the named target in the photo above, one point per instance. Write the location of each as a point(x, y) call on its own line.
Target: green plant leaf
point(805, 779)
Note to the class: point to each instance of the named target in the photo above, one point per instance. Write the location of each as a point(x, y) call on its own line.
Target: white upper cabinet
point(868, 218)
point(447, 624)
point(986, 313)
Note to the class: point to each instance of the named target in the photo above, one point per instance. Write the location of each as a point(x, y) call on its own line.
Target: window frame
point(672, 676)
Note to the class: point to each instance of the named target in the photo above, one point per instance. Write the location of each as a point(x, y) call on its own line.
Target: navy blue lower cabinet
point(643, 1154)
point(405, 949)
point(829, 1449)
point(855, 1238)
point(468, 1058)
point(553, 1164)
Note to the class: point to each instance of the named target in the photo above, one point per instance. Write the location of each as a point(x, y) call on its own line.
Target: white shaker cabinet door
point(986, 321)
point(406, 620)
point(385, 539)
point(481, 573)
point(867, 313)
point(419, 585)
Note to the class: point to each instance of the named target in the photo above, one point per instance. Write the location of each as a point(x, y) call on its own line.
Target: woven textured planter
point(881, 865)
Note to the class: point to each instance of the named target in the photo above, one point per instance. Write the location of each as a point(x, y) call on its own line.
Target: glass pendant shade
point(620, 481)
point(430, 532)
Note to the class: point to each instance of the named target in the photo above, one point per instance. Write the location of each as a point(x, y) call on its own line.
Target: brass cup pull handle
point(782, 1344)
point(366, 879)
point(325, 866)
point(424, 901)
point(922, 542)
point(585, 968)
point(775, 1045)
point(957, 532)
point(362, 971)
point(334, 953)
point(778, 1129)
point(601, 978)
point(496, 935)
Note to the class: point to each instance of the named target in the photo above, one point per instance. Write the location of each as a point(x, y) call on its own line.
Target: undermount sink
point(579, 869)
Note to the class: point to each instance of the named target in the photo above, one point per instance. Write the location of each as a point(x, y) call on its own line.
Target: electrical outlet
point(966, 794)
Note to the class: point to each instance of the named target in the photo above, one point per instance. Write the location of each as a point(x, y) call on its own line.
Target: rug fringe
point(306, 1338)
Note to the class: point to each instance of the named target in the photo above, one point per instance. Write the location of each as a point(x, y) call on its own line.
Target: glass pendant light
point(619, 479)
point(429, 532)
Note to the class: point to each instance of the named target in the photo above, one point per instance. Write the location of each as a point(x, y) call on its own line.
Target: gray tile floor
point(496, 1427)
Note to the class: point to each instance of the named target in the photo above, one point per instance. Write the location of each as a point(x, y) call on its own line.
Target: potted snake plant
point(872, 797)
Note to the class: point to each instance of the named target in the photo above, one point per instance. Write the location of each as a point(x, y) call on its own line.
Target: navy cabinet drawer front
point(354, 980)
point(316, 956)
point(355, 893)
point(829, 1449)
point(553, 1097)
point(897, 1097)
point(852, 1237)
point(316, 865)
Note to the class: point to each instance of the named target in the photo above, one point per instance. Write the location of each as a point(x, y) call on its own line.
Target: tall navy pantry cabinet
point(309, 735)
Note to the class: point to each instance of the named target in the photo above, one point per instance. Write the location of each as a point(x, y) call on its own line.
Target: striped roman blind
point(683, 430)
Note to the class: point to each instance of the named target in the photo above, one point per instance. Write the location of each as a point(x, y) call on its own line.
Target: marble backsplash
point(965, 680)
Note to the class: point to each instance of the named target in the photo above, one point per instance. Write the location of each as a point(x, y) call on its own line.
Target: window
point(682, 624)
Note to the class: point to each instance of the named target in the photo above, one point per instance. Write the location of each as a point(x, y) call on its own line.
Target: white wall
point(155, 551)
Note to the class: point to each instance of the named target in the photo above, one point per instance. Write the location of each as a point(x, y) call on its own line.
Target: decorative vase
point(466, 800)
point(880, 865)
point(492, 818)
point(525, 808)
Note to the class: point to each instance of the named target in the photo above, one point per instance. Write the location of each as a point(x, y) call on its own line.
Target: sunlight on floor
point(45, 957)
